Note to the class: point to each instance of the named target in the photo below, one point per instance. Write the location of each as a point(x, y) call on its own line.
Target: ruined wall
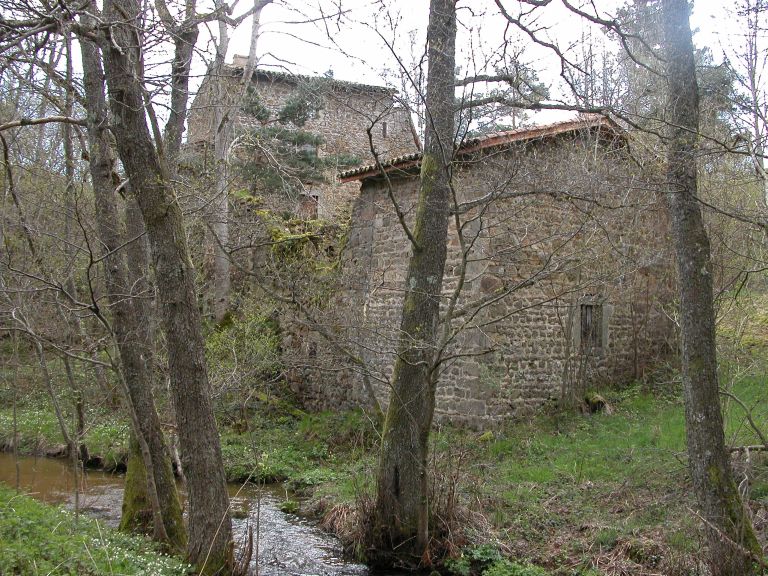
point(566, 225)
point(348, 112)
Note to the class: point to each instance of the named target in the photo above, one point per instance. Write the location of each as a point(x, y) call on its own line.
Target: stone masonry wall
point(348, 112)
point(565, 225)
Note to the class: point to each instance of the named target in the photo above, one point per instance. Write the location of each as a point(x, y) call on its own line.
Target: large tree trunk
point(210, 530)
point(731, 537)
point(150, 480)
point(402, 507)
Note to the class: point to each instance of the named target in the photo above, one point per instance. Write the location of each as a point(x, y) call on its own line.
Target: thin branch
point(37, 121)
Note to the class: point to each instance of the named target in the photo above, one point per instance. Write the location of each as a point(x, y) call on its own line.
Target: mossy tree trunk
point(210, 545)
point(401, 523)
point(151, 499)
point(732, 541)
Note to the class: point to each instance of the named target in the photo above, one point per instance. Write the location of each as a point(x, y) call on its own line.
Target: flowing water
point(288, 545)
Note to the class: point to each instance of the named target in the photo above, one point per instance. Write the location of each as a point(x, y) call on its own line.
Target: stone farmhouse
point(558, 275)
point(343, 115)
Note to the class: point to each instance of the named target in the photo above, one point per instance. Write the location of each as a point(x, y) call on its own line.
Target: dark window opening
point(591, 326)
point(383, 129)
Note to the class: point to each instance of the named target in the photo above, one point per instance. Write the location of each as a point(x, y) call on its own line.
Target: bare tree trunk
point(732, 541)
point(402, 507)
point(184, 39)
point(14, 376)
point(227, 109)
point(77, 392)
point(210, 530)
point(69, 249)
point(68, 440)
point(223, 127)
point(153, 482)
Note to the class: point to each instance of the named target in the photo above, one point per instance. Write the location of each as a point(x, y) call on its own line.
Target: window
point(383, 129)
point(591, 326)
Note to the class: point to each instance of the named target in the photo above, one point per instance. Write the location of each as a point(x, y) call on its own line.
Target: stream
point(288, 544)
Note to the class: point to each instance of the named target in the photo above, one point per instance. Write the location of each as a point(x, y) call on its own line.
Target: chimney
point(239, 61)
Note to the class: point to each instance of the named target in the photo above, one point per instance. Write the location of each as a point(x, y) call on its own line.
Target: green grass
point(302, 450)
point(576, 491)
point(570, 491)
point(38, 432)
point(39, 539)
point(577, 449)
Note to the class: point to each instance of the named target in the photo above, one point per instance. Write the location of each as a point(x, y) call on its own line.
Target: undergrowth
point(39, 539)
point(568, 494)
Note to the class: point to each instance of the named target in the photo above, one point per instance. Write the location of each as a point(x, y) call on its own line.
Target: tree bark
point(402, 502)
point(732, 541)
point(227, 109)
point(210, 531)
point(184, 39)
point(153, 483)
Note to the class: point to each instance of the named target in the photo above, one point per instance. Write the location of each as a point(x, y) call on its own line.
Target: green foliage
point(488, 561)
point(303, 450)
point(304, 104)
point(289, 506)
point(253, 106)
point(507, 568)
point(279, 159)
point(607, 538)
point(474, 560)
point(284, 157)
point(40, 539)
point(38, 432)
point(244, 359)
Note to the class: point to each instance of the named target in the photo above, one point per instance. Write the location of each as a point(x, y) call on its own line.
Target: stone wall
point(348, 112)
point(557, 233)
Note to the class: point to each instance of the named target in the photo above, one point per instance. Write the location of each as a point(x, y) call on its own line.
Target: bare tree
point(732, 541)
point(749, 66)
point(402, 511)
point(227, 107)
point(210, 533)
point(150, 471)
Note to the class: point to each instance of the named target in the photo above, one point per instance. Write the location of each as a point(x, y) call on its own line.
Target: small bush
point(507, 568)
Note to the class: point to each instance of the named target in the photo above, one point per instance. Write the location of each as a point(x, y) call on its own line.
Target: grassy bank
point(38, 433)
point(39, 539)
point(577, 494)
point(572, 494)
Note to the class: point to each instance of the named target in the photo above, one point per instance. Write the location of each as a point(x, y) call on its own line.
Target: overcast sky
point(355, 43)
point(362, 40)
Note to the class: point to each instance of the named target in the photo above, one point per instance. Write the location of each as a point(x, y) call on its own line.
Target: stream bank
point(288, 545)
point(576, 495)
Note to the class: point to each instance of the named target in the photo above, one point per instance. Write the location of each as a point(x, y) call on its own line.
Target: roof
point(273, 75)
point(493, 140)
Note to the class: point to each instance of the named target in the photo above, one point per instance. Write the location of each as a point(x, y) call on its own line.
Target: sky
point(358, 43)
point(368, 41)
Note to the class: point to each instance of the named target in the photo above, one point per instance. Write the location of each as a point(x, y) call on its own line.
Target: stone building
point(341, 114)
point(558, 274)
